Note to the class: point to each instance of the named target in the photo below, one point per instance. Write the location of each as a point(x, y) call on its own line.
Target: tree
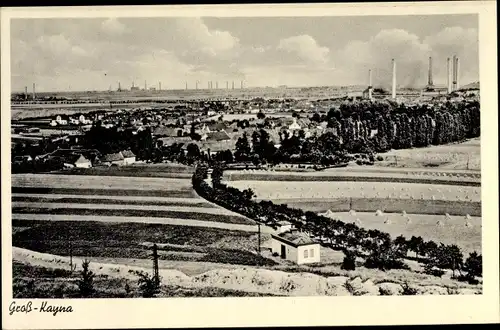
point(243, 150)
point(474, 265)
point(261, 115)
point(193, 152)
point(86, 282)
point(415, 244)
point(217, 173)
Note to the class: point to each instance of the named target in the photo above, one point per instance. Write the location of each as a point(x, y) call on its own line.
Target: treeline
point(377, 248)
point(384, 125)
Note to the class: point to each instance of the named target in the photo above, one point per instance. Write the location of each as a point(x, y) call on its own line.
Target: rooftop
point(296, 238)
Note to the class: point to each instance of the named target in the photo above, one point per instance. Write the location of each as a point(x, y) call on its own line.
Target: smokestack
point(34, 93)
point(186, 85)
point(429, 82)
point(119, 87)
point(241, 84)
point(370, 84)
point(227, 84)
point(454, 73)
point(159, 85)
point(393, 79)
point(132, 84)
point(216, 85)
point(197, 84)
point(208, 84)
point(233, 84)
point(25, 93)
point(145, 85)
point(457, 75)
point(448, 74)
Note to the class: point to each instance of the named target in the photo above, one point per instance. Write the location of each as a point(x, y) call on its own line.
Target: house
point(77, 160)
point(113, 159)
point(128, 157)
point(294, 126)
point(296, 246)
point(218, 136)
point(284, 226)
point(217, 127)
point(162, 131)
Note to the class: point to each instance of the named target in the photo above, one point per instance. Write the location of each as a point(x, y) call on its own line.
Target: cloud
point(113, 26)
point(305, 47)
point(411, 55)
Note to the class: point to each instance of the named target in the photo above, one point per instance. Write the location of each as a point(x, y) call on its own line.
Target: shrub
point(430, 270)
point(380, 158)
point(359, 162)
point(349, 262)
point(86, 283)
point(147, 285)
point(276, 254)
point(408, 290)
point(371, 158)
point(384, 292)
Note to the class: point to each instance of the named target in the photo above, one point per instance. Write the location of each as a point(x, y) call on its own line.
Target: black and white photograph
point(245, 156)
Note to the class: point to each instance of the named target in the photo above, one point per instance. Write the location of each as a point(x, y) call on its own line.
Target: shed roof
point(128, 154)
point(294, 238)
point(112, 157)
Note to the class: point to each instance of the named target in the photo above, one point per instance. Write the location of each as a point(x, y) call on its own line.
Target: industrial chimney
point(457, 75)
point(216, 85)
point(233, 84)
point(454, 73)
point(241, 84)
point(145, 85)
point(430, 82)
point(370, 84)
point(159, 85)
point(227, 84)
point(119, 87)
point(25, 93)
point(448, 74)
point(34, 93)
point(393, 79)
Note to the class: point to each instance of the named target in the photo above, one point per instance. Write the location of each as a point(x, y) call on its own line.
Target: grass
point(233, 219)
point(199, 203)
point(186, 193)
point(163, 170)
point(389, 205)
point(40, 282)
point(177, 243)
point(340, 178)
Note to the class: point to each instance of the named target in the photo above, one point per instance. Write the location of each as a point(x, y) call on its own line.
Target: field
point(342, 189)
point(465, 232)
point(465, 155)
point(59, 197)
point(162, 170)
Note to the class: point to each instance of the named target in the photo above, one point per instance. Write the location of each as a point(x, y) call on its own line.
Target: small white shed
point(296, 246)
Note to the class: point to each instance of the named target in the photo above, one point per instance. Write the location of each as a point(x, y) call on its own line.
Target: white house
point(294, 126)
point(296, 246)
point(77, 161)
point(128, 157)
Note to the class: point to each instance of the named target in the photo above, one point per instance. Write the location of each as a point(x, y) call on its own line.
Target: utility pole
point(156, 275)
point(71, 255)
point(258, 224)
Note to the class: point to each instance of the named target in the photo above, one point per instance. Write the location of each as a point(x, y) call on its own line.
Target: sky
point(82, 54)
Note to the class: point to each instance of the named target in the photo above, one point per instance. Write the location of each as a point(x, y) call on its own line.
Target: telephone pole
point(258, 224)
point(156, 275)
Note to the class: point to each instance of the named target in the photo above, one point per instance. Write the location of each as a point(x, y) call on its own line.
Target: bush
point(276, 254)
point(148, 286)
point(430, 270)
point(349, 262)
point(408, 291)
point(359, 162)
point(380, 158)
point(86, 283)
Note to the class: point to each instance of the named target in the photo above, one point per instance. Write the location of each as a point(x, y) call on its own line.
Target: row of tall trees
point(389, 125)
